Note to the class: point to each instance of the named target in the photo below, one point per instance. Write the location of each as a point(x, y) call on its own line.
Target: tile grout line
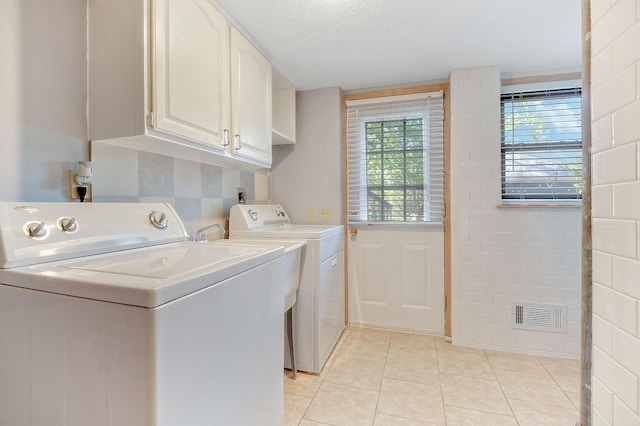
point(337, 348)
point(444, 407)
point(559, 387)
point(493, 370)
point(386, 356)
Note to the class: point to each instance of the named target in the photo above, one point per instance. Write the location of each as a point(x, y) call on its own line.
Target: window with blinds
point(542, 145)
point(395, 159)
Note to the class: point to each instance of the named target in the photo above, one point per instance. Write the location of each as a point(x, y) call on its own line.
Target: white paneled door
point(396, 277)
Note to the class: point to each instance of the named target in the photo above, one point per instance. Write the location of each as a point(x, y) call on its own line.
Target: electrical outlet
point(311, 213)
point(325, 213)
point(242, 196)
point(73, 188)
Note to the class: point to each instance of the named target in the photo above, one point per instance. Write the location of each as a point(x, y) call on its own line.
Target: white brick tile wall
point(638, 83)
point(615, 236)
point(602, 201)
point(616, 378)
point(615, 93)
point(598, 419)
point(529, 255)
point(603, 334)
point(626, 350)
point(626, 278)
point(616, 212)
point(623, 415)
point(624, 49)
point(625, 126)
point(602, 134)
point(598, 9)
point(602, 268)
point(615, 307)
point(606, 29)
point(601, 67)
point(615, 165)
point(603, 398)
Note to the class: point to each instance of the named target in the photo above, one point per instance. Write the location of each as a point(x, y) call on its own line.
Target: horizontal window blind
point(395, 159)
point(542, 145)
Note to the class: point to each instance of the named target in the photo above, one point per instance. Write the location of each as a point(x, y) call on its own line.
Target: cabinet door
point(191, 70)
point(250, 101)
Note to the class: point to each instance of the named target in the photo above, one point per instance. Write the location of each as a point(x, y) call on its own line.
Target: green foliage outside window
point(395, 169)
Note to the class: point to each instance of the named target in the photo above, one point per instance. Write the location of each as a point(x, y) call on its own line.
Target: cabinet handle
point(238, 145)
point(225, 137)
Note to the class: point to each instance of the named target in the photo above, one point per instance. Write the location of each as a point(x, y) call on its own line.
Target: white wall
point(308, 175)
point(616, 211)
point(43, 97)
point(501, 255)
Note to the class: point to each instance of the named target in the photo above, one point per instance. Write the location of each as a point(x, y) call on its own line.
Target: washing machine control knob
point(68, 224)
point(35, 229)
point(158, 219)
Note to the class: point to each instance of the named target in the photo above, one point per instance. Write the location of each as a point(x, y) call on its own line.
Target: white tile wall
point(501, 255)
point(601, 134)
point(616, 212)
point(626, 126)
point(603, 397)
point(615, 165)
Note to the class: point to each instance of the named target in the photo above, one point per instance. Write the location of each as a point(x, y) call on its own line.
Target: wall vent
point(539, 317)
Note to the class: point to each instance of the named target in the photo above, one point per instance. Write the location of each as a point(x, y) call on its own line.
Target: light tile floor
point(388, 378)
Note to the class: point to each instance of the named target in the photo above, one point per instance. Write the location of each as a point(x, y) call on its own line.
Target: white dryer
point(109, 317)
point(319, 313)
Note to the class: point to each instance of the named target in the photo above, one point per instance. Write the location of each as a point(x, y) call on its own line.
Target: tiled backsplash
point(202, 194)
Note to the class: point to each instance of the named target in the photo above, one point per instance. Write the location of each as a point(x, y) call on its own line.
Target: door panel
point(415, 268)
point(375, 290)
point(396, 278)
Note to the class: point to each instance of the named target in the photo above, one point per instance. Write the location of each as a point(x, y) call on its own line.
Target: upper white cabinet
point(191, 63)
point(250, 100)
point(283, 110)
point(174, 77)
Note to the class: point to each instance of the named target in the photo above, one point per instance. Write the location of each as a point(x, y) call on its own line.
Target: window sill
point(539, 206)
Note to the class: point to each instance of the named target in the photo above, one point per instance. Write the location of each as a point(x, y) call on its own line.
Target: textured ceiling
point(355, 44)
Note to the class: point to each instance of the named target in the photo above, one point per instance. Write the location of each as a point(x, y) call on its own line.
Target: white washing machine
point(109, 317)
point(319, 313)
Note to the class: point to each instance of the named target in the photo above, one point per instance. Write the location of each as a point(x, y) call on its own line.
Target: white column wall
point(503, 255)
point(615, 95)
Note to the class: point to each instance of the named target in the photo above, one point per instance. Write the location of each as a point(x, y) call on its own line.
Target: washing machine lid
point(146, 277)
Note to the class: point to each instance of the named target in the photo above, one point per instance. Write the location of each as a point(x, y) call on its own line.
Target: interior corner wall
point(615, 136)
point(503, 255)
point(43, 102)
point(307, 176)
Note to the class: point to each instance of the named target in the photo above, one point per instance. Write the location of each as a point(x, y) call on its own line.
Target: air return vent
point(539, 317)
